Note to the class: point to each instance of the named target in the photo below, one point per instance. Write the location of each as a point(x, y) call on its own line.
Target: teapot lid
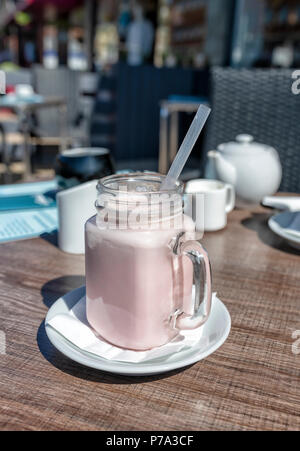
point(242, 143)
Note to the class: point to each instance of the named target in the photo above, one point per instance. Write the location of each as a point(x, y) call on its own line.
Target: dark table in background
point(24, 108)
point(251, 382)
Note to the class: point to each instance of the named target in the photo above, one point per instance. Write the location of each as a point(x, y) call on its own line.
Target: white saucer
point(277, 223)
point(215, 332)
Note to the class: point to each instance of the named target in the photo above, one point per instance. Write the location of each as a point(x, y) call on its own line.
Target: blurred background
point(126, 75)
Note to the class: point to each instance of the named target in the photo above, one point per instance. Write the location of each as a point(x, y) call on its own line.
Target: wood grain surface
point(251, 383)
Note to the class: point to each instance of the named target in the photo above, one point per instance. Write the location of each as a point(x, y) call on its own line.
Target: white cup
point(75, 206)
point(217, 200)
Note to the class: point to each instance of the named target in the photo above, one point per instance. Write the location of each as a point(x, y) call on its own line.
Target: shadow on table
point(259, 223)
point(51, 238)
point(55, 288)
point(51, 291)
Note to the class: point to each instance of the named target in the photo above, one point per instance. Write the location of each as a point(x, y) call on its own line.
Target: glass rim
point(132, 176)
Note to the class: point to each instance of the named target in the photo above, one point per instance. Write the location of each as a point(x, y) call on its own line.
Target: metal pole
point(89, 9)
point(163, 164)
point(173, 135)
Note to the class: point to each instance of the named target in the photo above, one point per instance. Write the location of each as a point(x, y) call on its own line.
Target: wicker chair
point(259, 102)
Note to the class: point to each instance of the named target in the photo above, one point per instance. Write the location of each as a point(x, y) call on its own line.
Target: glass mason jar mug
point(141, 259)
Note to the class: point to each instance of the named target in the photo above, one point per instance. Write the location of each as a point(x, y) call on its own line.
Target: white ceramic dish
point(215, 332)
point(282, 218)
point(253, 169)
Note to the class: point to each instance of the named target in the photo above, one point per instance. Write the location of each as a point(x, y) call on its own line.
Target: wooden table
point(251, 382)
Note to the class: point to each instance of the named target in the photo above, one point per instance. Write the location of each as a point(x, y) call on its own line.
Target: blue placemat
point(27, 224)
point(28, 196)
point(26, 202)
point(28, 188)
point(27, 210)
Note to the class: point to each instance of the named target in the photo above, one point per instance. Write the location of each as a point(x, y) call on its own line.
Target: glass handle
point(202, 306)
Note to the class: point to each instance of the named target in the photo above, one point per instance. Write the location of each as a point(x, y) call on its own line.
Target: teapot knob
point(244, 139)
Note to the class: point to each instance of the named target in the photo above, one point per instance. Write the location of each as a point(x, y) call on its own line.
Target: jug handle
point(202, 307)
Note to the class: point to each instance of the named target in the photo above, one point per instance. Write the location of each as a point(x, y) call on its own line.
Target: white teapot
point(253, 169)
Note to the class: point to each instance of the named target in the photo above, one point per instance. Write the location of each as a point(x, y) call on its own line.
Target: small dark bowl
point(80, 165)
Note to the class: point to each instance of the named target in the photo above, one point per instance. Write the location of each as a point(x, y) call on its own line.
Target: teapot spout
point(225, 171)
